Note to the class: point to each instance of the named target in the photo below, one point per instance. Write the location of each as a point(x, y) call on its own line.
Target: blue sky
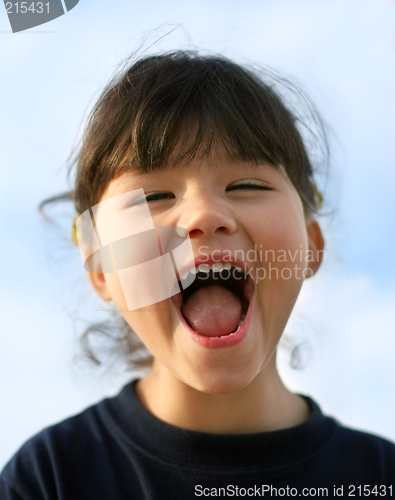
point(342, 52)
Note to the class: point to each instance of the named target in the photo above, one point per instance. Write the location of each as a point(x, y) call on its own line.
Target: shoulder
point(34, 470)
point(347, 453)
point(353, 441)
point(363, 454)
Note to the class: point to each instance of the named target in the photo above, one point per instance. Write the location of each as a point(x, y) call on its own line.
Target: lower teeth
point(229, 334)
point(238, 327)
point(241, 321)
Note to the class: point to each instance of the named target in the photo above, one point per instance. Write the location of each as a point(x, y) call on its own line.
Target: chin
point(222, 381)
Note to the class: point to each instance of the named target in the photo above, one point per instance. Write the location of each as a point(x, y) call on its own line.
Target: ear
point(98, 278)
point(99, 283)
point(316, 245)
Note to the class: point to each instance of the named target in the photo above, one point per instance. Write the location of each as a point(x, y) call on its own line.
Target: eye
point(249, 185)
point(158, 196)
point(151, 197)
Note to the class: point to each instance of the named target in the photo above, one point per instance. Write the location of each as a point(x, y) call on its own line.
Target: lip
point(216, 342)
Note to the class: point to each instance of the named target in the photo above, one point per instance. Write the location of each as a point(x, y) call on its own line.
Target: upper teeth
point(190, 271)
point(216, 267)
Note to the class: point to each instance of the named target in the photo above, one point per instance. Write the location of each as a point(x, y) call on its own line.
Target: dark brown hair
point(194, 102)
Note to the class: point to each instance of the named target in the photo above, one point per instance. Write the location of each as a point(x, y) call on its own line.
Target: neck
point(264, 405)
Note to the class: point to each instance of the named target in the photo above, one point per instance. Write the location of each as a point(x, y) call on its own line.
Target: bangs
point(176, 107)
point(185, 112)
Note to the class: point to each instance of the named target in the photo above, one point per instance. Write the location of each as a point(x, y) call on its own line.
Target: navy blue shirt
point(116, 449)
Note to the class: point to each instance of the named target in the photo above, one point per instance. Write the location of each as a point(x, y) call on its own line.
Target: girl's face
point(234, 212)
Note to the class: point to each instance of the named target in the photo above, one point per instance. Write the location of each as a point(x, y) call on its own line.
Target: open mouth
point(217, 302)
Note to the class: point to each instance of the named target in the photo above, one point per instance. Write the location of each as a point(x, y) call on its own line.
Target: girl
point(196, 200)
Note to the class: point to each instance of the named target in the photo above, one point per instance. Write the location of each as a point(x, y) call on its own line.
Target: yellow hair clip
point(73, 230)
point(318, 197)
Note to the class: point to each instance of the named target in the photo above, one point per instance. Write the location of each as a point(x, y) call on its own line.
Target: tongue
point(213, 311)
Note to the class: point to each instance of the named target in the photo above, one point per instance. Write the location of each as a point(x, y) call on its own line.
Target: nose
point(207, 216)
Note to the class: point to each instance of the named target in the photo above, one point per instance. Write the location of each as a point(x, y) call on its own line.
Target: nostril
point(195, 233)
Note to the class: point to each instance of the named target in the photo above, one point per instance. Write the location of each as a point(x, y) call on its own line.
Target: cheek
point(143, 321)
point(281, 241)
point(116, 292)
point(281, 229)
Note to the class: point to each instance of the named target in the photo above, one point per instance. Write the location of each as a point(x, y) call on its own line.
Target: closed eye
point(158, 196)
point(152, 197)
point(249, 185)
point(162, 195)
